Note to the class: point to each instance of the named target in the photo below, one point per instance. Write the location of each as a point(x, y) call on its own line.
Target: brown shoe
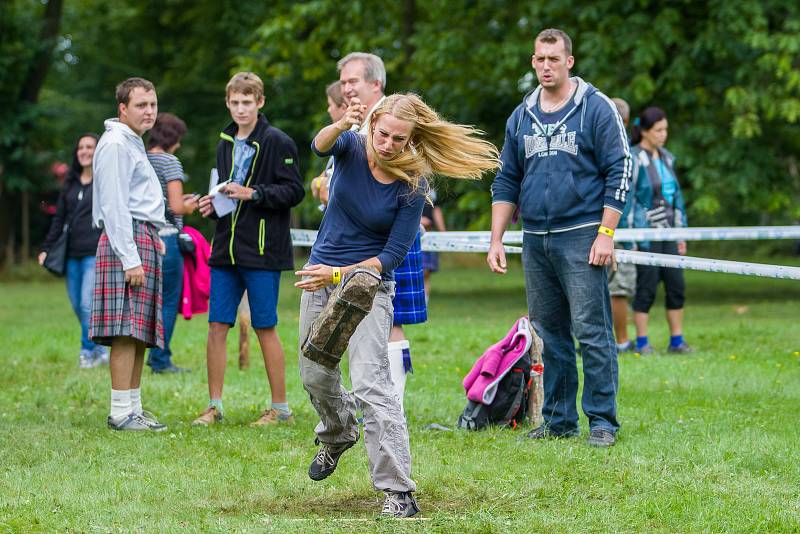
point(272, 417)
point(244, 346)
point(209, 416)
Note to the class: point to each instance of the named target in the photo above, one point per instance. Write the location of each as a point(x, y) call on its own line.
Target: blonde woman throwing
point(378, 189)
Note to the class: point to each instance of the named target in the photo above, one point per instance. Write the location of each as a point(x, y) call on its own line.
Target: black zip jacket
point(74, 206)
point(256, 234)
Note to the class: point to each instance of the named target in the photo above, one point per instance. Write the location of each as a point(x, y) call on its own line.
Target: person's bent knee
point(269, 330)
point(218, 329)
point(316, 379)
point(642, 305)
point(675, 302)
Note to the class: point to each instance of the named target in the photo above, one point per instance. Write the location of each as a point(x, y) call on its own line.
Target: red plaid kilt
point(119, 310)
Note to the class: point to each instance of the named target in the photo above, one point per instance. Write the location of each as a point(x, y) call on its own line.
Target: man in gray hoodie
point(566, 166)
point(129, 207)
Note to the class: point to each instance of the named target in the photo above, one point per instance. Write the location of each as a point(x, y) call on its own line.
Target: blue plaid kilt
point(430, 261)
point(409, 298)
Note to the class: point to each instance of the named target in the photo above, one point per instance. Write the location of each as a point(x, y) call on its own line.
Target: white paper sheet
point(222, 204)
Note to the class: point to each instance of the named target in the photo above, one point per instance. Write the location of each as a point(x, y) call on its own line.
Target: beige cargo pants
point(385, 430)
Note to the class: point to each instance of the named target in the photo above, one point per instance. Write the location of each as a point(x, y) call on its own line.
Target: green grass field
point(709, 441)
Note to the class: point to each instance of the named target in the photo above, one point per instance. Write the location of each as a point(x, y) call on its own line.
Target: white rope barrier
point(306, 238)
point(627, 235)
point(708, 233)
point(707, 264)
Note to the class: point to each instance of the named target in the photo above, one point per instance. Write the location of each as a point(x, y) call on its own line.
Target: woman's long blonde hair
point(436, 147)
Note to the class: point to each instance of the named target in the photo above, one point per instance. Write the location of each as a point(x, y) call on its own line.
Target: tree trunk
point(6, 225)
point(10, 245)
point(42, 60)
point(25, 242)
point(409, 18)
point(28, 96)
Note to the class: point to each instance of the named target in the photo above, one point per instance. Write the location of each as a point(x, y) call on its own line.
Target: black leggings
point(647, 278)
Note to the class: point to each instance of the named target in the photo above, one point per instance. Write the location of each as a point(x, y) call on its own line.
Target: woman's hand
point(42, 257)
point(190, 203)
point(315, 277)
point(205, 206)
point(682, 248)
point(353, 116)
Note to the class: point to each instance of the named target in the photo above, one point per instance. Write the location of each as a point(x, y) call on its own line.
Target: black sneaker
point(600, 437)
point(683, 348)
point(325, 461)
point(399, 504)
point(628, 346)
point(543, 432)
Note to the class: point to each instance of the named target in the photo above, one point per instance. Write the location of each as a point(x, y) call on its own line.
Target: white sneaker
point(152, 423)
point(100, 354)
point(86, 360)
point(129, 422)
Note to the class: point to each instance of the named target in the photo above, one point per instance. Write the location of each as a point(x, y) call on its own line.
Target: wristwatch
point(256, 196)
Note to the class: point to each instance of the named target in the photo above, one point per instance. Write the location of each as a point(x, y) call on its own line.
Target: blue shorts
point(227, 287)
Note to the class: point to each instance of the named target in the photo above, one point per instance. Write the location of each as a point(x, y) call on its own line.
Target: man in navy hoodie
point(566, 167)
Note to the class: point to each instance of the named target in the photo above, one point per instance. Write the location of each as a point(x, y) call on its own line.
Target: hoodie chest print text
point(560, 139)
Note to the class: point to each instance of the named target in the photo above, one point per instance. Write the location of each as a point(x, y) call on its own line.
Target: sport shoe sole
point(131, 423)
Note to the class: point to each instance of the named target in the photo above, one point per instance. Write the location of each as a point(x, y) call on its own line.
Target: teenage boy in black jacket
point(251, 244)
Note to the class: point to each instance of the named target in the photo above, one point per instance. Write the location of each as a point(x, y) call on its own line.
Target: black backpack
point(510, 404)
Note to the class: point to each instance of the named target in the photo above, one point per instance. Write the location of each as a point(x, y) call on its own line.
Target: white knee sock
point(136, 400)
point(120, 404)
point(396, 366)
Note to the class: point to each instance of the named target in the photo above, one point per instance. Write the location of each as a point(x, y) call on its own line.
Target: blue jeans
point(80, 289)
point(568, 296)
point(172, 288)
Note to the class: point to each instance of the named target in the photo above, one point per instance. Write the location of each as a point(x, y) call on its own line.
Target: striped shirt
point(168, 169)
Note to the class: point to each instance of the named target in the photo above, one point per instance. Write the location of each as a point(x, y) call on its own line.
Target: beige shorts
point(622, 283)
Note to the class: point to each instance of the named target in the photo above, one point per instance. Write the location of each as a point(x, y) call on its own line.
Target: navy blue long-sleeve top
point(365, 218)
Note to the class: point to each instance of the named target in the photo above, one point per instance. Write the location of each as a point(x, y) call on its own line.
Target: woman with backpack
point(657, 203)
point(74, 210)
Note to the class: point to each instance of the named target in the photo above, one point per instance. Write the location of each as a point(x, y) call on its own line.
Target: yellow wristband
point(336, 276)
point(605, 230)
